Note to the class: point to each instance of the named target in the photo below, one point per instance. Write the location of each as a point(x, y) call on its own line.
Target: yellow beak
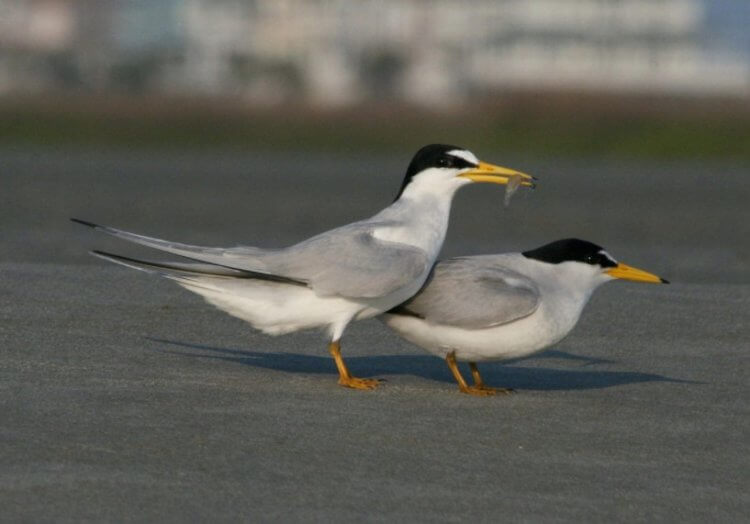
point(637, 275)
point(485, 172)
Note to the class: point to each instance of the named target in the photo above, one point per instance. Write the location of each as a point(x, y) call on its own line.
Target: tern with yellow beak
point(497, 307)
point(353, 272)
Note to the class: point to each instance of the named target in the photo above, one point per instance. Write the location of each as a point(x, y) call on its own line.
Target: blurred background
point(266, 121)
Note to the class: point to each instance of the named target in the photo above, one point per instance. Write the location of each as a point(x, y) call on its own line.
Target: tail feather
point(242, 259)
point(184, 270)
point(265, 305)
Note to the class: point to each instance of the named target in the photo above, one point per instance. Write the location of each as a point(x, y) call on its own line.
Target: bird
point(349, 273)
point(505, 306)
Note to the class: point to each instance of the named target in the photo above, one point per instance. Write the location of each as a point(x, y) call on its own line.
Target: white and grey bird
point(497, 307)
point(353, 272)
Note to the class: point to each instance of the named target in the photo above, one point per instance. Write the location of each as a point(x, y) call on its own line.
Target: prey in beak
point(485, 172)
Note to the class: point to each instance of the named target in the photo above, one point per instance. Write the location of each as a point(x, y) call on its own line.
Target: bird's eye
point(590, 259)
point(445, 162)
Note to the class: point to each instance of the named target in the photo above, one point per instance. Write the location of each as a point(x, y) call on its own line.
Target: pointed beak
point(626, 272)
point(485, 172)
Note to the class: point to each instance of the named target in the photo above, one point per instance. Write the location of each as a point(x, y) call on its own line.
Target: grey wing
point(473, 293)
point(178, 270)
point(351, 262)
point(240, 258)
point(346, 261)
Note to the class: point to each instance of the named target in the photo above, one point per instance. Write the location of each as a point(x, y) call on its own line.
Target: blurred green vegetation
point(571, 131)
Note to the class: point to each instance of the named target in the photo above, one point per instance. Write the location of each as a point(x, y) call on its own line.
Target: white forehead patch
point(465, 154)
point(603, 252)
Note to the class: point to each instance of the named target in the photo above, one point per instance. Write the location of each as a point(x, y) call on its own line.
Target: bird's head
point(440, 167)
point(587, 264)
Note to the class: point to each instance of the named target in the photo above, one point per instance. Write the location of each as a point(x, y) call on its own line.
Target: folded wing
point(472, 293)
point(351, 262)
point(347, 261)
point(185, 270)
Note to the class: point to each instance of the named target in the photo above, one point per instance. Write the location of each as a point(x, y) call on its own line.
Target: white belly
point(277, 309)
point(513, 340)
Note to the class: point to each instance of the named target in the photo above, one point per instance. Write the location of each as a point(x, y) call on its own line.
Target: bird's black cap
point(571, 250)
point(433, 155)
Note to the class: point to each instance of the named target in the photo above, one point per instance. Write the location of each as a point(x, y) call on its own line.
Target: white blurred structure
point(340, 51)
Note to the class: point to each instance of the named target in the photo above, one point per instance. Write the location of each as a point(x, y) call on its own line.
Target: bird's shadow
point(430, 367)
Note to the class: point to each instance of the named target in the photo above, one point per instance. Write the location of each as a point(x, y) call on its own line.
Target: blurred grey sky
point(728, 21)
point(338, 52)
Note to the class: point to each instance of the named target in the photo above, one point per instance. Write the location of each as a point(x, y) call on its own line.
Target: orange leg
point(479, 383)
point(450, 359)
point(345, 378)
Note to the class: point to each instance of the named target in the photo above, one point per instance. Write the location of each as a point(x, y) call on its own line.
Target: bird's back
point(474, 293)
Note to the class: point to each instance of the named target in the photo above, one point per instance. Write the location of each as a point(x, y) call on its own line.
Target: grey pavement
point(125, 398)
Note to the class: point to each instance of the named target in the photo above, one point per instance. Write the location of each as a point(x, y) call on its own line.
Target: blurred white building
point(339, 51)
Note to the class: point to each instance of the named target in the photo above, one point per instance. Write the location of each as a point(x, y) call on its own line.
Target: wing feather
point(353, 263)
point(473, 293)
point(348, 261)
point(177, 270)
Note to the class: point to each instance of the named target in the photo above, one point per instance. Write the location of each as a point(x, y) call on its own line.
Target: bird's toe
point(360, 383)
point(477, 391)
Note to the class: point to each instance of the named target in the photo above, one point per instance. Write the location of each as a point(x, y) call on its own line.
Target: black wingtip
point(127, 261)
point(101, 254)
point(83, 222)
point(664, 281)
point(104, 254)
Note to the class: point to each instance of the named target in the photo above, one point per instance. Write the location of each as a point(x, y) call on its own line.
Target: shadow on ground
point(430, 367)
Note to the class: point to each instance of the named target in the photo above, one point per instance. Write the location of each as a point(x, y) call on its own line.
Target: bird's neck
point(566, 295)
point(420, 218)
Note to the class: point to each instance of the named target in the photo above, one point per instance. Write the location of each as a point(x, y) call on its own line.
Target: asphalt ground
point(125, 398)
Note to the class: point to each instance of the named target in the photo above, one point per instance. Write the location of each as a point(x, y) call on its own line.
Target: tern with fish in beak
point(353, 272)
point(497, 307)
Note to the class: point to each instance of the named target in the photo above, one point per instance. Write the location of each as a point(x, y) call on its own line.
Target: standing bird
point(498, 307)
point(353, 272)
